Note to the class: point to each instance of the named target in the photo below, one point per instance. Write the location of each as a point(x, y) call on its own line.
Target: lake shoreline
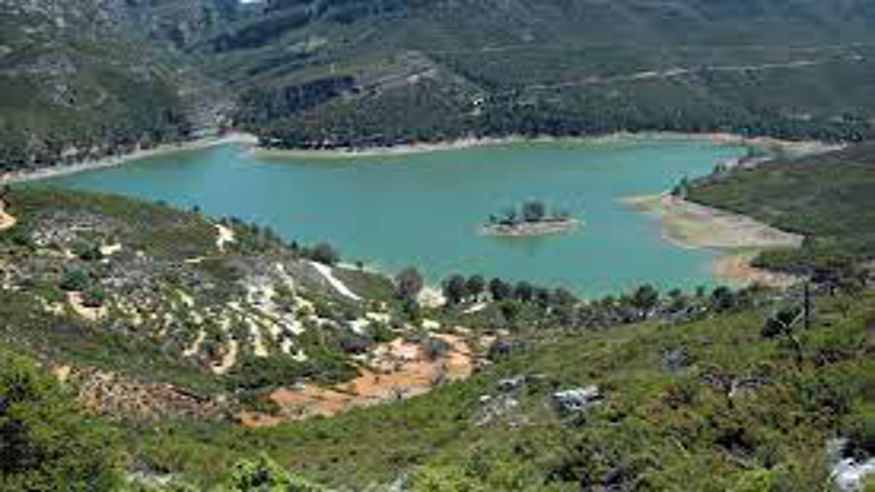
point(738, 237)
point(258, 151)
point(115, 161)
point(801, 146)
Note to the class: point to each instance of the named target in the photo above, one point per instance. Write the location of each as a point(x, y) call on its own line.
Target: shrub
point(75, 281)
point(93, 298)
point(89, 253)
point(263, 475)
point(408, 283)
point(46, 442)
point(326, 254)
point(862, 433)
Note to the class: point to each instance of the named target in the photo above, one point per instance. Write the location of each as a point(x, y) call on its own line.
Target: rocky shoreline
point(527, 229)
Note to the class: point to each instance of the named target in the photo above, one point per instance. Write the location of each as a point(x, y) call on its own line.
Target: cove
point(426, 209)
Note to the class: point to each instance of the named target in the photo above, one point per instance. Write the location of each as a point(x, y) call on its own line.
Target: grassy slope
point(827, 197)
point(664, 430)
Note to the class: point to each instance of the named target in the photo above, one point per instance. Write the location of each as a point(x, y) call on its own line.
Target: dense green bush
point(46, 442)
point(264, 475)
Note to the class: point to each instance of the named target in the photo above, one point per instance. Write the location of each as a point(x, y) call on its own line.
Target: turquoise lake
point(426, 209)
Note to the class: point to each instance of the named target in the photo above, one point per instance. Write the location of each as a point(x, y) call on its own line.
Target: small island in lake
point(531, 219)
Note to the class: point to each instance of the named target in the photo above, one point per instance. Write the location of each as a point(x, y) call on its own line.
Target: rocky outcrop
point(577, 400)
point(122, 397)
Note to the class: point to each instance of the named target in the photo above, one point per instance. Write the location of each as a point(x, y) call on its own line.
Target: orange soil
point(6, 220)
point(397, 370)
point(738, 270)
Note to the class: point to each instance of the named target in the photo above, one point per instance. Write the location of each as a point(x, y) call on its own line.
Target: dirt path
point(6, 220)
point(646, 75)
point(328, 274)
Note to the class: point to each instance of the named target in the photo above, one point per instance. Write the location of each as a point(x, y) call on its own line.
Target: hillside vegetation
point(828, 198)
point(148, 294)
point(643, 391)
point(330, 73)
point(72, 86)
point(356, 73)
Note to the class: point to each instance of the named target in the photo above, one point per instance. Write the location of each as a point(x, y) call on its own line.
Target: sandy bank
point(50, 172)
point(794, 147)
point(698, 226)
point(738, 270)
point(6, 220)
point(395, 150)
point(693, 225)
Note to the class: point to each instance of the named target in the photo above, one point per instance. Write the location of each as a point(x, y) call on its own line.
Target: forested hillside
point(79, 79)
point(435, 69)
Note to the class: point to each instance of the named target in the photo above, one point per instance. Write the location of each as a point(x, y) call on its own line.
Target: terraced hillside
point(144, 296)
point(710, 406)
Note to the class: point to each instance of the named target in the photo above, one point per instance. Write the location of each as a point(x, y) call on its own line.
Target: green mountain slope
point(352, 73)
point(364, 72)
point(75, 84)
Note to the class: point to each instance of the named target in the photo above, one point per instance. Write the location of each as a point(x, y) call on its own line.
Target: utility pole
point(806, 304)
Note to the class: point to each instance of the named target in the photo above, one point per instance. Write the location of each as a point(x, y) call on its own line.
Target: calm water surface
point(425, 209)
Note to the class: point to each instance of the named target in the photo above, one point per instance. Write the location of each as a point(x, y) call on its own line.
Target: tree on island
point(534, 211)
point(530, 212)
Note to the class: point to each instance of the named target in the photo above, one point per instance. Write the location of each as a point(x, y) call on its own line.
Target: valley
point(437, 245)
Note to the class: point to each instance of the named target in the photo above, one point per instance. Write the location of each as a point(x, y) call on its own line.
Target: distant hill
point(365, 72)
point(73, 84)
point(326, 73)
